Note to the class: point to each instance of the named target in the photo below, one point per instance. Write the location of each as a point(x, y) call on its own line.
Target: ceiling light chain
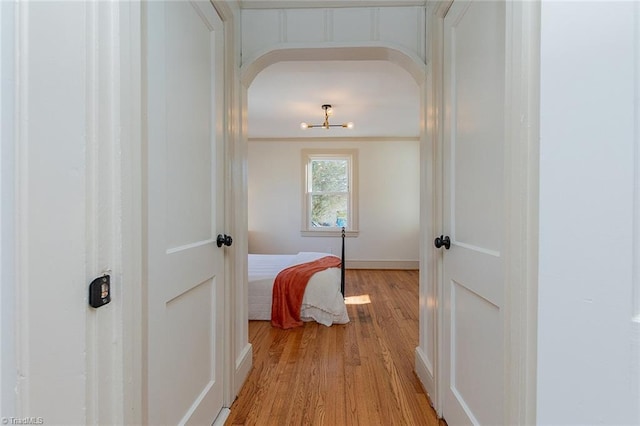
point(328, 110)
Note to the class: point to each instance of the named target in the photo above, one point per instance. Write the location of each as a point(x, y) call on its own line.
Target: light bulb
point(350, 125)
point(304, 125)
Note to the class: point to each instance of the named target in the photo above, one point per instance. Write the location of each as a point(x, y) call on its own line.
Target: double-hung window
point(330, 196)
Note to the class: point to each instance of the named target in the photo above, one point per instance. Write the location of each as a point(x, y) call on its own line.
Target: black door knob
point(442, 241)
point(224, 239)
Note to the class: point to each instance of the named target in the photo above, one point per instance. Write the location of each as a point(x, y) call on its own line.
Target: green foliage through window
point(329, 192)
point(329, 176)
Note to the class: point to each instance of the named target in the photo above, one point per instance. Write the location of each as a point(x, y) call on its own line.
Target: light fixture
point(327, 112)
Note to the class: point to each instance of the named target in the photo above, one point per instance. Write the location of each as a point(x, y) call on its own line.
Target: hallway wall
point(589, 324)
point(68, 365)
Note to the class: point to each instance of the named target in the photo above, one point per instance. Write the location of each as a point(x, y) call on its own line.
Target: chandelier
point(327, 112)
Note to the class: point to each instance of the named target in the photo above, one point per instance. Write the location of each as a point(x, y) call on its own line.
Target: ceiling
point(379, 97)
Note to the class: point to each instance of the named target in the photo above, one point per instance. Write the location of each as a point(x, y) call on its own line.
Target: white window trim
point(352, 229)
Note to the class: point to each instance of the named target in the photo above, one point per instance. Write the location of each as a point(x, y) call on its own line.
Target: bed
point(323, 299)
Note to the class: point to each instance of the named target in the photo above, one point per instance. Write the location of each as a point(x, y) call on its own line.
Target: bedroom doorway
point(421, 153)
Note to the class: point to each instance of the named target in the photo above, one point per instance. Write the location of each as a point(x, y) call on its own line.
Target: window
point(330, 196)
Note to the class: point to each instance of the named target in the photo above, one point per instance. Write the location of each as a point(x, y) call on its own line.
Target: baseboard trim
point(243, 368)
point(222, 417)
point(424, 371)
point(383, 264)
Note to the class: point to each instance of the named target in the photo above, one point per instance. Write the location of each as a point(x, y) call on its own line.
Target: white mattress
point(322, 301)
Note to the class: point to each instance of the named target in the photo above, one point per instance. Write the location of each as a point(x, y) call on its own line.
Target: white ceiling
point(379, 97)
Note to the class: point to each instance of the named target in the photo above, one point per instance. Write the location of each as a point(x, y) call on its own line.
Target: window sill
point(329, 233)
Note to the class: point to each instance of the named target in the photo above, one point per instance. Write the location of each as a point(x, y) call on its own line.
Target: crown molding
point(308, 4)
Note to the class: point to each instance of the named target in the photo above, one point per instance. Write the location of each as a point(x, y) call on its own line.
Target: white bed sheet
point(322, 301)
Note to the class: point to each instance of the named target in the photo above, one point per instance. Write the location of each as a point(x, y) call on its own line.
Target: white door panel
point(183, 88)
point(473, 277)
point(480, 273)
point(475, 354)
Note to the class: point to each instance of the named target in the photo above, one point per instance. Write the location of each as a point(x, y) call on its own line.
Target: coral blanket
point(289, 287)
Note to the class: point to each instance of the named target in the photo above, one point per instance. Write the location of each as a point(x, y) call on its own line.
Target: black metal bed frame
point(342, 265)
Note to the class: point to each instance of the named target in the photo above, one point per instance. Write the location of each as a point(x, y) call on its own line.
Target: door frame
point(134, 306)
point(521, 191)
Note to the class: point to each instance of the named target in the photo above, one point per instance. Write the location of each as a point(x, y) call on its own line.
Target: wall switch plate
point(100, 291)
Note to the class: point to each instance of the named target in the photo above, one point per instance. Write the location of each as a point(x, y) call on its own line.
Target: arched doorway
point(417, 69)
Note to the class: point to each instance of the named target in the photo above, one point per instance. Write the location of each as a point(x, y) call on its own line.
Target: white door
point(473, 283)
point(182, 88)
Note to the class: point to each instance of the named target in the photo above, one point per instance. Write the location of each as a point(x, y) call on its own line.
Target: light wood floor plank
point(360, 373)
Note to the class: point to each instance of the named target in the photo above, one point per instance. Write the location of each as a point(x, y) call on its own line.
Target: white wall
point(68, 355)
point(7, 194)
point(51, 174)
point(388, 186)
point(588, 341)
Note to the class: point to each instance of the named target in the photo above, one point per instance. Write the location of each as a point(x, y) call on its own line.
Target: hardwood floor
point(359, 373)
